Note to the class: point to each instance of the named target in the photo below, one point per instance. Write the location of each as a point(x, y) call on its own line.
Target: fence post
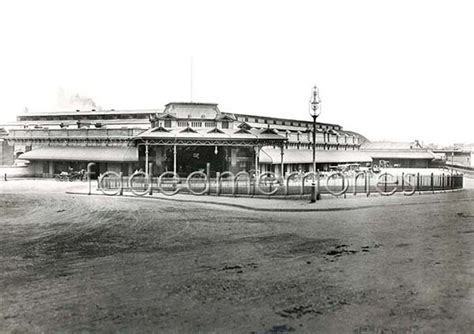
point(418, 183)
point(253, 184)
point(5, 176)
point(367, 184)
point(208, 172)
point(442, 181)
point(218, 183)
point(121, 186)
point(403, 181)
point(343, 185)
point(432, 183)
point(150, 180)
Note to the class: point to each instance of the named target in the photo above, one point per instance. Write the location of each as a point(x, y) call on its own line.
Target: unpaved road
point(108, 264)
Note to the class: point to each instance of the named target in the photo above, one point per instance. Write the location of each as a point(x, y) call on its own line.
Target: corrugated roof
point(93, 154)
point(293, 156)
point(400, 154)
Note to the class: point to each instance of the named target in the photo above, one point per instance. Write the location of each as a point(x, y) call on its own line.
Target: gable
point(215, 130)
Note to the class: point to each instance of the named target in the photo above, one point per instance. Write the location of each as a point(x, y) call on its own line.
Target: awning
point(93, 154)
point(304, 156)
point(400, 154)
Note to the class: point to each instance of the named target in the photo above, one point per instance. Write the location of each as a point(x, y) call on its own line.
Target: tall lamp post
point(315, 111)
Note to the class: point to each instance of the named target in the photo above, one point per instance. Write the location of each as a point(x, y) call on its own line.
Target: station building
point(181, 137)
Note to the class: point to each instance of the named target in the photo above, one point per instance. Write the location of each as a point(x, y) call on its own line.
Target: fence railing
point(336, 184)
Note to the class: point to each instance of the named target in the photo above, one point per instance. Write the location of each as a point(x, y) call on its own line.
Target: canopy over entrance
point(210, 136)
point(184, 150)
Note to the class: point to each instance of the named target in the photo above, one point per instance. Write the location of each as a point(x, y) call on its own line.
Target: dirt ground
point(74, 263)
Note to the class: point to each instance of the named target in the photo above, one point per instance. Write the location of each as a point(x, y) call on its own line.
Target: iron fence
point(337, 185)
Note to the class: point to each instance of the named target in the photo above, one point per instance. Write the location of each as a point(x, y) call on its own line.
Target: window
point(225, 124)
point(209, 124)
point(246, 119)
point(195, 124)
point(167, 123)
point(182, 124)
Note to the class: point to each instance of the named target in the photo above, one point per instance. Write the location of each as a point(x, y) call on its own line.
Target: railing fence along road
point(268, 184)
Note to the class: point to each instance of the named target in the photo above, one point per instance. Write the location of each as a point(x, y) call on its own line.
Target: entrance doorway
point(195, 158)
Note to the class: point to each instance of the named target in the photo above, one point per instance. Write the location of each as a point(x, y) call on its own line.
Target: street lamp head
point(315, 102)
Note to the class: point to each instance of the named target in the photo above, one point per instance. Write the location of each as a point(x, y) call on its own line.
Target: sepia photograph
point(259, 167)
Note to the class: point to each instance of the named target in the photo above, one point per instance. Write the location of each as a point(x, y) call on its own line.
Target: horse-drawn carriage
point(70, 176)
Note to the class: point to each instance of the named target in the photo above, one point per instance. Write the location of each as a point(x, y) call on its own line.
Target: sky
point(390, 70)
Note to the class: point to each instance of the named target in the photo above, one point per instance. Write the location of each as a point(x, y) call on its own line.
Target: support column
point(233, 160)
point(174, 158)
point(51, 168)
point(146, 158)
point(257, 153)
point(158, 158)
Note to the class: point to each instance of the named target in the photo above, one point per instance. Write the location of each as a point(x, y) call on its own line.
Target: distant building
point(461, 156)
point(399, 154)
